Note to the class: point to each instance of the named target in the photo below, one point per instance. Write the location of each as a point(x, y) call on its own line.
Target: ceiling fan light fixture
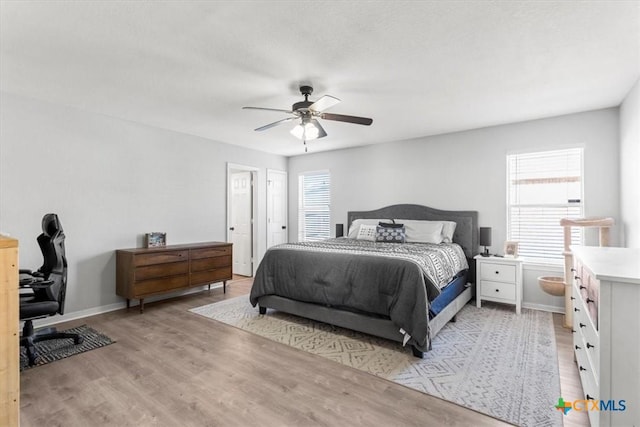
point(307, 130)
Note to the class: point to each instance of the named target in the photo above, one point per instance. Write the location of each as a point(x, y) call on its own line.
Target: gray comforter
point(352, 275)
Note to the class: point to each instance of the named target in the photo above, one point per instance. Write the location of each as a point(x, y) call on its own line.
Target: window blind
point(314, 215)
point(543, 188)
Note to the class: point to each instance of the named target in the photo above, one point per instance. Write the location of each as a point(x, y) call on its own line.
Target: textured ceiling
point(416, 68)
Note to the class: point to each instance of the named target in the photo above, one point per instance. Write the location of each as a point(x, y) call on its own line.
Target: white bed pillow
point(422, 231)
point(367, 232)
point(355, 226)
point(448, 228)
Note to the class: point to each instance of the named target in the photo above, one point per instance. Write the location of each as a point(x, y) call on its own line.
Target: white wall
point(110, 181)
point(629, 164)
point(467, 171)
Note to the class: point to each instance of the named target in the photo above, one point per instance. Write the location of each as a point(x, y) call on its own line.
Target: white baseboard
point(543, 307)
point(54, 320)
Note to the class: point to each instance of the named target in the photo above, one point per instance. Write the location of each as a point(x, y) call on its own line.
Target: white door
point(276, 208)
point(241, 222)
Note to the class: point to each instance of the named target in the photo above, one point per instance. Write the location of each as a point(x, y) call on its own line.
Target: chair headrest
point(51, 224)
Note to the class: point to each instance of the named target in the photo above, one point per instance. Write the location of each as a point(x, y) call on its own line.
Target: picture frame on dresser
point(155, 239)
point(511, 249)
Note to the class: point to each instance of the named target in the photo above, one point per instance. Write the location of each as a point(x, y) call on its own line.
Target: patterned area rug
point(490, 360)
point(52, 350)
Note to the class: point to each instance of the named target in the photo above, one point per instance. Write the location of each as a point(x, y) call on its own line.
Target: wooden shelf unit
point(142, 272)
point(9, 333)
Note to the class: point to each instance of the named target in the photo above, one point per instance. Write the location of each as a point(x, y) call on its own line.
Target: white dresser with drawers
point(499, 279)
point(606, 331)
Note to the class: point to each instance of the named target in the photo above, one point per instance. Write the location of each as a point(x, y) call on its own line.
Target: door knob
point(284, 227)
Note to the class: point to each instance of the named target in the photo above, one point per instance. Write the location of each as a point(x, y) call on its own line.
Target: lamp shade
point(485, 236)
point(308, 130)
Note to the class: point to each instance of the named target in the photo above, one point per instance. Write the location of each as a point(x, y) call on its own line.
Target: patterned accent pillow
point(390, 234)
point(390, 224)
point(367, 232)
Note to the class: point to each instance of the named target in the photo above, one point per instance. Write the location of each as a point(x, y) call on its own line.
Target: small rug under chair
point(52, 350)
point(491, 360)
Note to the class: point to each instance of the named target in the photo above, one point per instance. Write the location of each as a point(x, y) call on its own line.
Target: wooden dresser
point(9, 333)
point(143, 272)
point(606, 325)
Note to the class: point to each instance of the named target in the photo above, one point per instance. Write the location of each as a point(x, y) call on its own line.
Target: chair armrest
point(41, 285)
point(34, 282)
point(25, 271)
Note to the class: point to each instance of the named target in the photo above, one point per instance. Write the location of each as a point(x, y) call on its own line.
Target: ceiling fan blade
point(279, 122)
point(349, 119)
point(267, 109)
point(324, 103)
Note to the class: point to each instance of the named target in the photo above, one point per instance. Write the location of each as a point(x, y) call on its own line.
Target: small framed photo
point(511, 249)
point(156, 239)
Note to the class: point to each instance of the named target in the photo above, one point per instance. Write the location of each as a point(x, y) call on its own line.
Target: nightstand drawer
point(498, 272)
point(506, 291)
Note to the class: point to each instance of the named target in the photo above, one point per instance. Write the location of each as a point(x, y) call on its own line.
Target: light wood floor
point(172, 368)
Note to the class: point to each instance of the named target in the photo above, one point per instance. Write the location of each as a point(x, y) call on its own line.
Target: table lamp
point(485, 240)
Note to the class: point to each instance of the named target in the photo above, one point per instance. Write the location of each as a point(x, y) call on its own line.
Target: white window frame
point(548, 248)
point(320, 230)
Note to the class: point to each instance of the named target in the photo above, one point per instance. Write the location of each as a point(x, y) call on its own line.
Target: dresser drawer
point(161, 270)
point(206, 277)
point(210, 252)
point(506, 291)
point(160, 257)
point(588, 342)
point(148, 287)
point(204, 264)
point(498, 272)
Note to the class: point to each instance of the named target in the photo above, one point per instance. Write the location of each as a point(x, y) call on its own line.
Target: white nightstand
point(499, 280)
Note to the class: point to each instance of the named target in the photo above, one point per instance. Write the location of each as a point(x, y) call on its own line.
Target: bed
point(354, 284)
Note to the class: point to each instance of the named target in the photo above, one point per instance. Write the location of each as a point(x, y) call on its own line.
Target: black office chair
point(48, 285)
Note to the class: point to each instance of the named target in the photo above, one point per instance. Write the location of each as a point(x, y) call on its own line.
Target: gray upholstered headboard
point(466, 234)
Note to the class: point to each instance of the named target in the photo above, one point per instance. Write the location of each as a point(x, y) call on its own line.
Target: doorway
point(276, 208)
point(241, 214)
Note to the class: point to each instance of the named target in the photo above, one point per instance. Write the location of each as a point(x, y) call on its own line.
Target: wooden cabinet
point(144, 272)
point(499, 279)
point(606, 321)
point(9, 333)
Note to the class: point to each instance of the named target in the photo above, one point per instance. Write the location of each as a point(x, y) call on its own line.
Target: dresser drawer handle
point(589, 300)
point(572, 298)
point(589, 397)
point(573, 331)
point(576, 309)
point(582, 369)
point(573, 269)
point(497, 290)
point(590, 346)
point(497, 272)
point(582, 325)
point(583, 287)
point(577, 277)
point(578, 347)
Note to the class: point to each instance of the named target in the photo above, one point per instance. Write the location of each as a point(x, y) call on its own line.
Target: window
point(543, 188)
point(314, 216)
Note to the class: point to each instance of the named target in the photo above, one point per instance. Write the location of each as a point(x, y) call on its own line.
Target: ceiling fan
point(308, 111)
